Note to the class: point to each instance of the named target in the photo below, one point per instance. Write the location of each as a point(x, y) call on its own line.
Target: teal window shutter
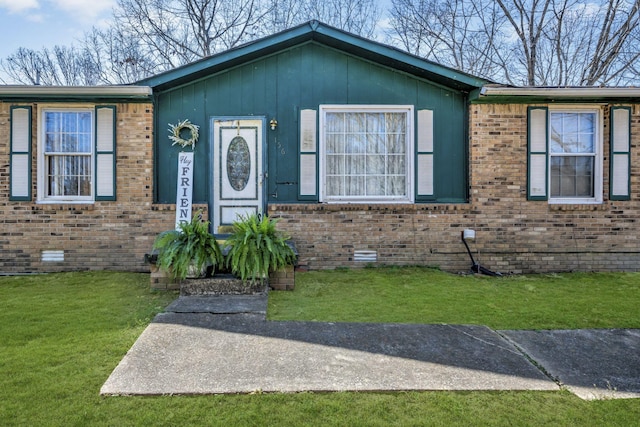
point(20, 158)
point(620, 158)
point(308, 188)
point(537, 153)
point(105, 153)
point(425, 155)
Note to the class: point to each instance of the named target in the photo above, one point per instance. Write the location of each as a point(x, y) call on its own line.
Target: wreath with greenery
point(175, 132)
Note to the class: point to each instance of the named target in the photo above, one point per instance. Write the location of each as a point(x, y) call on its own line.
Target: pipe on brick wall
point(475, 267)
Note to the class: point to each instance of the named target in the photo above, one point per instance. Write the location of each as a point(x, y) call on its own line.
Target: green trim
point(612, 153)
point(531, 153)
point(111, 152)
point(427, 199)
point(28, 153)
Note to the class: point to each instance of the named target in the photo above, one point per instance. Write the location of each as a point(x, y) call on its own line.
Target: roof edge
point(489, 93)
point(319, 32)
point(45, 92)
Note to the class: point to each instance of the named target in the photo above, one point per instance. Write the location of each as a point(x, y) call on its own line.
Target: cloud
point(83, 10)
point(36, 17)
point(14, 6)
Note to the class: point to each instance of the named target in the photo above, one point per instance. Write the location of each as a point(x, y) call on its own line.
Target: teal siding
point(305, 76)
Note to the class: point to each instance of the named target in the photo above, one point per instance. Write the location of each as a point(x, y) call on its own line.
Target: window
point(67, 154)
point(76, 154)
point(565, 155)
point(366, 153)
point(573, 154)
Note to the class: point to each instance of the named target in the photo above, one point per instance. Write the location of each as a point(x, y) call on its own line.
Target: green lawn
point(61, 335)
point(423, 295)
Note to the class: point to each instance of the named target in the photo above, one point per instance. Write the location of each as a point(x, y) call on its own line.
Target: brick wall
point(513, 234)
point(327, 235)
point(101, 235)
point(523, 235)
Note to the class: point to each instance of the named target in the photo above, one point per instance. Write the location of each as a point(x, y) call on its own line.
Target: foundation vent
point(52, 256)
point(365, 256)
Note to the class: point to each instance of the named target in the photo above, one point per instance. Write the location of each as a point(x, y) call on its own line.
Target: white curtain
point(68, 152)
point(366, 154)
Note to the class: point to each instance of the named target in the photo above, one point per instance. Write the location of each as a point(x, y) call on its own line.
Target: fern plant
point(256, 248)
point(191, 248)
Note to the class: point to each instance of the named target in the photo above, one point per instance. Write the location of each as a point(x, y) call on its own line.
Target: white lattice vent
point(52, 256)
point(365, 256)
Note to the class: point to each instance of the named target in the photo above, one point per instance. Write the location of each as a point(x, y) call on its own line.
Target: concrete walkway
point(216, 344)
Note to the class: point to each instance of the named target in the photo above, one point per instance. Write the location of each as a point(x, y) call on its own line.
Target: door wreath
point(176, 130)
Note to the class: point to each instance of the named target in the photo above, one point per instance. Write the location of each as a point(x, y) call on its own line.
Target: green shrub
point(257, 248)
point(190, 249)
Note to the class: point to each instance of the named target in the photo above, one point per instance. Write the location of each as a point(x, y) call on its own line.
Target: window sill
point(371, 207)
point(575, 201)
point(65, 202)
point(367, 202)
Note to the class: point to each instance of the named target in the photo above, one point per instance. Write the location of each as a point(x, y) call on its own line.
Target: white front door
point(237, 169)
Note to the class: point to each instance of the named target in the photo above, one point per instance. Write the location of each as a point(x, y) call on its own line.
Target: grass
point(422, 295)
point(61, 335)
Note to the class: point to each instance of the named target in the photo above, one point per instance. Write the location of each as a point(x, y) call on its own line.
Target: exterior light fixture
point(274, 124)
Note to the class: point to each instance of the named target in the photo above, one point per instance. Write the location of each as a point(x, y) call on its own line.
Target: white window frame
point(42, 166)
point(598, 158)
point(410, 151)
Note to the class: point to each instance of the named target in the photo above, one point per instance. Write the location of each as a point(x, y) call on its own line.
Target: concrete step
point(221, 285)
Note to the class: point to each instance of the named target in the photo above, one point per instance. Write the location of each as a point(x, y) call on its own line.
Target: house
point(366, 154)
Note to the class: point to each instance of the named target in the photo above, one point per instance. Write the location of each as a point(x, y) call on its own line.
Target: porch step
point(221, 285)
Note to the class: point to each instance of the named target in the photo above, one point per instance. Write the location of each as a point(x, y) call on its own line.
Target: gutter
point(495, 94)
point(561, 92)
point(44, 92)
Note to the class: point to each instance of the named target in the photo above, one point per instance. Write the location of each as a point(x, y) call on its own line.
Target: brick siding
point(512, 233)
point(112, 235)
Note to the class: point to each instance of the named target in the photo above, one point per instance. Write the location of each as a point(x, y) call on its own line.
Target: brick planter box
point(281, 280)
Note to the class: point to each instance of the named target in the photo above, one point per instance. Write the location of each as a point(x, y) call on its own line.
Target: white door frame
point(228, 200)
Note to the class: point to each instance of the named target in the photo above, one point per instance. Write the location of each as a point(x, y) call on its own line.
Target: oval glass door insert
point(238, 163)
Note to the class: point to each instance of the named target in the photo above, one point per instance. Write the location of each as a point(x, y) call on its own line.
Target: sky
point(36, 24)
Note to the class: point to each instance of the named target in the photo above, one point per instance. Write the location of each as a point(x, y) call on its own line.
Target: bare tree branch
point(526, 42)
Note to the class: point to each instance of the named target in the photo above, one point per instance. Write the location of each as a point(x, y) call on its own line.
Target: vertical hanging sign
point(185, 188)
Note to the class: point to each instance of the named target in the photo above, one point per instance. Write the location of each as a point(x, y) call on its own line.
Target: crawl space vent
point(365, 256)
point(52, 256)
